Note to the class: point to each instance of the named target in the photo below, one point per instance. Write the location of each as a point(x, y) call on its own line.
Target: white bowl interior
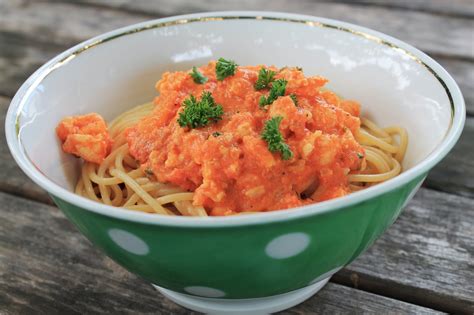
point(393, 87)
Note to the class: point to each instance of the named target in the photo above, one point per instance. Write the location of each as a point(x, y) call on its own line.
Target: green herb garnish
point(200, 113)
point(225, 68)
point(197, 76)
point(272, 136)
point(278, 89)
point(265, 77)
point(360, 155)
point(148, 171)
point(294, 99)
point(216, 134)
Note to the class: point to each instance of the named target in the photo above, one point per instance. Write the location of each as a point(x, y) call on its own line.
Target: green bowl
point(236, 264)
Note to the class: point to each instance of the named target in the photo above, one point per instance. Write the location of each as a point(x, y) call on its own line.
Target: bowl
point(252, 263)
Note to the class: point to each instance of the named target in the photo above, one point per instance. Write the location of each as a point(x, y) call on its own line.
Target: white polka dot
point(326, 275)
point(129, 242)
point(287, 245)
point(205, 291)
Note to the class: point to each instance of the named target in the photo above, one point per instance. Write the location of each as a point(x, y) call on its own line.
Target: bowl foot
point(264, 305)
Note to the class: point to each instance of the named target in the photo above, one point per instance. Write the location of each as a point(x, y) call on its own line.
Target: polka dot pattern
point(287, 245)
point(204, 291)
point(129, 242)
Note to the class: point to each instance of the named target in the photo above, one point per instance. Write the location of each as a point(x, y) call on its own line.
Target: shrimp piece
point(85, 136)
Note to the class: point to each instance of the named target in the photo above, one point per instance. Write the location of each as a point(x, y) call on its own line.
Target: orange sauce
point(234, 171)
point(85, 136)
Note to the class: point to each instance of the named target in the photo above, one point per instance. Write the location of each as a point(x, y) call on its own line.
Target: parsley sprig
point(272, 136)
point(197, 76)
point(200, 113)
point(265, 77)
point(225, 68)
point(278, 89)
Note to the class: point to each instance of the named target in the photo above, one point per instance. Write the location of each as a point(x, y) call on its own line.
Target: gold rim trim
point(150, 26)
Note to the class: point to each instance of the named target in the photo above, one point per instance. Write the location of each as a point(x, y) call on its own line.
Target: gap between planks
point(395, 266)
point(449, 40)
point(458, 9)
point(65, 262)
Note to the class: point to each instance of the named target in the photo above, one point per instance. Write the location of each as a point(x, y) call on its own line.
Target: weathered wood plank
point(29, 37)
point(426, 256)
point(58, 23)
point(338, 299)
point(12, 179)
point(414, 27)
point(455, 174)
point(19, 58)
point(444, 242)
point(47, 266)
point(461, 8)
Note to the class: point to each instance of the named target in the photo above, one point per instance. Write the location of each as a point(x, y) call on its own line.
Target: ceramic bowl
point(255, 263)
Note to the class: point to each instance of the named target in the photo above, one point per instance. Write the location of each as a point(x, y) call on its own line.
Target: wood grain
point(45, 264)
point(455, 174)
point(20, 56)
point(426, 256)
point(32, 33)
point(415, 27)
point(60, 23)
point(457, 8)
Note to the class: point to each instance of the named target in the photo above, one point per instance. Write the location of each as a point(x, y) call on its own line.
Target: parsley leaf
point(278, 89)
point(294, 99)
point(225, 68)
point(271, 134)
point(216, 134)
point(265, 77)
point(199, 114)
point(197, 76)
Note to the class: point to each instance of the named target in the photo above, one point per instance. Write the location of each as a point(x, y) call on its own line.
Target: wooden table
point(422, 264)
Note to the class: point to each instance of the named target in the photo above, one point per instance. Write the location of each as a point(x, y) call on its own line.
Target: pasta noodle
point(119, 181)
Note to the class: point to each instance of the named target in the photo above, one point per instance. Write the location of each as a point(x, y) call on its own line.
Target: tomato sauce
point(228, 165)
point(85, 136)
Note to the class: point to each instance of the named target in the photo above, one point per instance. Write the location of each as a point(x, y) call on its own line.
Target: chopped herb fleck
point(216, 134)
point(225, 68)
point(272, 135)
point(294, 99)
point(148, 171)
point(265, 77)
point(197, 76)
point(278, 89)
point(360, 155)
point(200, 113)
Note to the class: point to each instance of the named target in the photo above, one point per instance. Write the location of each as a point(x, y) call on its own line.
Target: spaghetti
point(119, 181)
point(225, 140)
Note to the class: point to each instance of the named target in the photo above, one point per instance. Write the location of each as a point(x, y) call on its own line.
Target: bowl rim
point(454, 94)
